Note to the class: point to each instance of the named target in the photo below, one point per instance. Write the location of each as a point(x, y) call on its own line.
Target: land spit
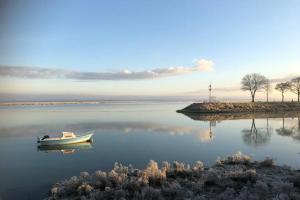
point(235, 177)
point(266, 107)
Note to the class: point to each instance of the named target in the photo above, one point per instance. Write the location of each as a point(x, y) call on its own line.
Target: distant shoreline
point(82, 102)
point(46, 103)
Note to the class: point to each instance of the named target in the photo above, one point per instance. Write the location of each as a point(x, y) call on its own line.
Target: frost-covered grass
point(235, 177)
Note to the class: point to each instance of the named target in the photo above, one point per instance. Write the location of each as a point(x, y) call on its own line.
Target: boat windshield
point(68, 135)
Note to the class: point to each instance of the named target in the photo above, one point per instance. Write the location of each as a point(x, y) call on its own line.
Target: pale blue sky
point(239, 37)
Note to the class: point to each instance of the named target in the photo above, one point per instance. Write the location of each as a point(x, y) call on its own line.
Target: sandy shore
point(235, 177)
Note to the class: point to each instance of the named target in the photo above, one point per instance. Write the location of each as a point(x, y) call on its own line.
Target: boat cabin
point(67, 135)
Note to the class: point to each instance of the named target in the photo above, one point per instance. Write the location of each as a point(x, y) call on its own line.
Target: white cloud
point(204, 65)
point(285, 79)
point(46, 73)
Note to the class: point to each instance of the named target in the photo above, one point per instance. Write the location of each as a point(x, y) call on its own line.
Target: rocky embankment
point(235, 177)
point(267, 107)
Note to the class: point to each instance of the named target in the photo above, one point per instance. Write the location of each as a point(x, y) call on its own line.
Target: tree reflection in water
point(257, 136)
point(291, 131)
point(297, 130)
point(253, 136)
point(283, 130)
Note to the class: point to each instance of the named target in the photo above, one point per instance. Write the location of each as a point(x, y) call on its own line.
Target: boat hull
point(65, 148)
point(79, 139)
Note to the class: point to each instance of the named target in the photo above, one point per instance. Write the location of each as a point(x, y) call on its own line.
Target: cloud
point(284, 79)
point(47, 73)
point(204, 65)
point(205, 135)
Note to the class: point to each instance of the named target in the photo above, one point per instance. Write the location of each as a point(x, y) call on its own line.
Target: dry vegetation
point(235, 177)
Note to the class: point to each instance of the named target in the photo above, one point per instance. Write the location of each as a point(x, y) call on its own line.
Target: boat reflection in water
point(65, 149)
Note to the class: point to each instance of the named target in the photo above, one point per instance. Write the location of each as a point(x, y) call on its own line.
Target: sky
point(146, 48)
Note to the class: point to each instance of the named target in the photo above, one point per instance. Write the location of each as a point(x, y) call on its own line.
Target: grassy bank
point(267, 107)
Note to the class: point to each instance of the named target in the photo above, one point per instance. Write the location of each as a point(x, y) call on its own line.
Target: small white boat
point(67, 138)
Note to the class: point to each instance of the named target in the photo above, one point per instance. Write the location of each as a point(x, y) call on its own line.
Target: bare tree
point(295, 86)
point(283, 88)
point(268, 88)
point(253, 83)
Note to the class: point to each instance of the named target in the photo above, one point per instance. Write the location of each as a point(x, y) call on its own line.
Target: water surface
point(131, 133)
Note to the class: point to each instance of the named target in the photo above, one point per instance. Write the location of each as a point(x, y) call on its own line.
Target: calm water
point(131, 133)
